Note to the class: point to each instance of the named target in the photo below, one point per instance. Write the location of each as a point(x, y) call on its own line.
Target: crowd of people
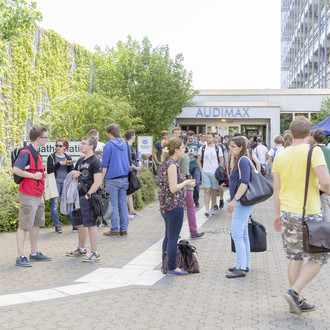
point(186, 163)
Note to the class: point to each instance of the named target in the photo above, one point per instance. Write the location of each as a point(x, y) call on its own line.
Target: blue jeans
point(196, 174)
point(240, 234)
point(118, 192)
point(173, 224)
point(54, 206)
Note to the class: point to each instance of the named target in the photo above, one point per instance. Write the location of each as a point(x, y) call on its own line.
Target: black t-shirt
point(88, 167)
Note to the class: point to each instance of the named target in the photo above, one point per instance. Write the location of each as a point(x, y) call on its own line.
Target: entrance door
point(254, 130)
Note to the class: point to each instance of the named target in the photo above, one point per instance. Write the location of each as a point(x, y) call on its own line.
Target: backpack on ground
point(14, 155)
point(203, 152)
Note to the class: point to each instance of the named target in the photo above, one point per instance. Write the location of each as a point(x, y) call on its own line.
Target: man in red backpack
point(28, 165)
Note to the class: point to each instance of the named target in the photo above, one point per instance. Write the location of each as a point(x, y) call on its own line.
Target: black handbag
point(316, 235)
point(257, 237)
point(258, 190)
point(133, 181)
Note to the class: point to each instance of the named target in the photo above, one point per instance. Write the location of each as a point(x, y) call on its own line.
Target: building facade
point(305, 43)
point(250, 112)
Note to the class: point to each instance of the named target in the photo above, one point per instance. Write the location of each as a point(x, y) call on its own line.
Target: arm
point(277, 205)
point(172, 180)
point(199, 157)
point(221, 161)
point(323, 176)
point(240, 192)
point(256, 160)
point(51, 167)
point(97, 183)
point(154, 154)
point(269, 162)
point(25, 174)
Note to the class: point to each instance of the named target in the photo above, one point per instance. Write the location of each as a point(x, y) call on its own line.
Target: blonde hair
point(278, 139)
point(300, 127)
point(169, 147)
point(287, 140)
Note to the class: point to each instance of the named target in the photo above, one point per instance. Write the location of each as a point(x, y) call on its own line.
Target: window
point(285, 121)
point(313, 115)
point(305, 114)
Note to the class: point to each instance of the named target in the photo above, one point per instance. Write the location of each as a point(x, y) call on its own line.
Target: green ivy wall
point(40, 66)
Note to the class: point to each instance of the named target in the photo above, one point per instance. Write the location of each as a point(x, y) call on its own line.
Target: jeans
point(173, 224)
point(196, 174)
point(118, 192)
point(240, 234)
point(191, 214)
point(54, 206)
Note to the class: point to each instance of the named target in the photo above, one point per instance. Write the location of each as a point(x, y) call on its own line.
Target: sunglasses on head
point(58, 146)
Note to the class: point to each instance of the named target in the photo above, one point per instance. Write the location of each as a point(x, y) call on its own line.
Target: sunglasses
point(58, 146)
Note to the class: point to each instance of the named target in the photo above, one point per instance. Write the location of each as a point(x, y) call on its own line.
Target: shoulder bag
point(258, 190)
point(50, 184)
point(257, 237)
point(133, 181)
point(316, 235)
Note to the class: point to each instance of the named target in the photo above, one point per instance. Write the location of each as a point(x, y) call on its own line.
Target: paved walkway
point(126, 289)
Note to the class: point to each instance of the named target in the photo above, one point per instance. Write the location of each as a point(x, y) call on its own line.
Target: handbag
point(133, 181)
point(50, 186)
point(258, 190)
point(316, 235)
point(185, 258)
point(257, 237)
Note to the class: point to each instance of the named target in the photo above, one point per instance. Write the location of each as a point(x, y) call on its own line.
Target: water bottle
point(139, 159)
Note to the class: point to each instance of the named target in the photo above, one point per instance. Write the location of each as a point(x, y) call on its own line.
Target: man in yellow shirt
point(289, 176)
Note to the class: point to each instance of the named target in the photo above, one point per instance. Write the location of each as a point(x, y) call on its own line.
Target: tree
point(156, 86)
point(71, 117)
point(16, 15)
point(324, 111)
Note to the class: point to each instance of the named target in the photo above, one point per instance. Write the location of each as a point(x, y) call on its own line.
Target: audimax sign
point(223, 112)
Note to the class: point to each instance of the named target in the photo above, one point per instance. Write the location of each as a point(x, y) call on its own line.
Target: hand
point(277, 224)
point(190, 183)
point(37, 176)
point(231, 206)
point(139, 168)
point(76, 175)
point(86, 197)
point(62, 162)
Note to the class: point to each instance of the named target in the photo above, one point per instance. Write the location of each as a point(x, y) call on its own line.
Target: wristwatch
point(236, 198)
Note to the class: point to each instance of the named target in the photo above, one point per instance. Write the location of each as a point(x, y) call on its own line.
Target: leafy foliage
point(74, 115)
point(146, 194)
point(324, 111)
point(156, 86)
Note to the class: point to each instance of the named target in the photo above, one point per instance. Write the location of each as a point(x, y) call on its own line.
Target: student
point(158, 147)
point(89, 175)
point(30, 195)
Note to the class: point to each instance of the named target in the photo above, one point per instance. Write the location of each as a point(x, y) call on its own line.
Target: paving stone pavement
point(200, 301)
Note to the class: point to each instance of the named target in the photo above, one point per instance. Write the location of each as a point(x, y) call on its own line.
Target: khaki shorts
point(292, 237)
point(31, 211)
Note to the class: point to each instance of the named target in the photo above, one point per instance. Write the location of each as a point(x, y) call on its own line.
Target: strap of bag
point(308, 169)
point(239, 170)
point(129, 155)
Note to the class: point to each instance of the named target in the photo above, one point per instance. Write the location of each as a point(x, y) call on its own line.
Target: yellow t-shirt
point(291, 165)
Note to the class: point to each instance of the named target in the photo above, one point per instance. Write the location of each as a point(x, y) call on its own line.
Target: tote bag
point(50, 186)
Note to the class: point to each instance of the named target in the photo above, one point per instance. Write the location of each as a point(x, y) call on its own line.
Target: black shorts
point(84, 216)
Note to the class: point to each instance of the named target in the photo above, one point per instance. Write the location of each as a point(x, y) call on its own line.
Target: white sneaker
point(214, 211)
point(92, 257)
point(130, 217)
point(207, 213)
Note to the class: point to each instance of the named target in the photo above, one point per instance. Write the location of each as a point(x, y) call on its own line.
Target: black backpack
point(14, 154)
point(221, 175)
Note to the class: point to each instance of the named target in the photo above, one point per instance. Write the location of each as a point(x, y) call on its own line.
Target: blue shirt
point(245, 167)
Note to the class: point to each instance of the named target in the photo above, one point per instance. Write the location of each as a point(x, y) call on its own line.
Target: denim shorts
point(84, 216)
point(209, 181)
point(292, 237)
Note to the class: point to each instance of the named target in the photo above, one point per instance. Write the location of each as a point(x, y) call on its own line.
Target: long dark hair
point(240, 142)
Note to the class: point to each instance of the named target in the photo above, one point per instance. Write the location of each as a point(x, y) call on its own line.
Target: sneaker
point(130, 217)
point(214, 210)
point(74, 229)
point(123, 233)
point(233, 268)
point(221, 204)
point(111, 233)
point(197, 235)
point(136, 215)
point(197, 205)
point(92, 257)
point(236, 273)
point(39, 257)
point(304, 306)
point(174, 272)
point(292, 298)
point(207, 213)
point(58, 229)
point(22, 261)
point(215, 207)
point(78, 252)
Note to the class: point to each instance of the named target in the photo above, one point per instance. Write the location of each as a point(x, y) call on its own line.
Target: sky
point(227, 44)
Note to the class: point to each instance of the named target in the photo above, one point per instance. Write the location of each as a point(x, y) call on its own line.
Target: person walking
point(88, 172)
point(209, 158)
point(261, 153)
point(59, 163)
point(289, 175)
point(28, 165)
point(115, 171)
point(278, 141)
point(238, 183)
point(192, 151)
point(171, 200)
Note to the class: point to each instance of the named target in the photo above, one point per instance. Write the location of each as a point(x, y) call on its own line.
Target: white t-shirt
point(99, 147)
point(261, 152)
point(278, 150)
point(210, 162)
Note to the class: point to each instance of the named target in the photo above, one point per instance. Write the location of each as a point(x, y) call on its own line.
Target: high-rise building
point(305, 43)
